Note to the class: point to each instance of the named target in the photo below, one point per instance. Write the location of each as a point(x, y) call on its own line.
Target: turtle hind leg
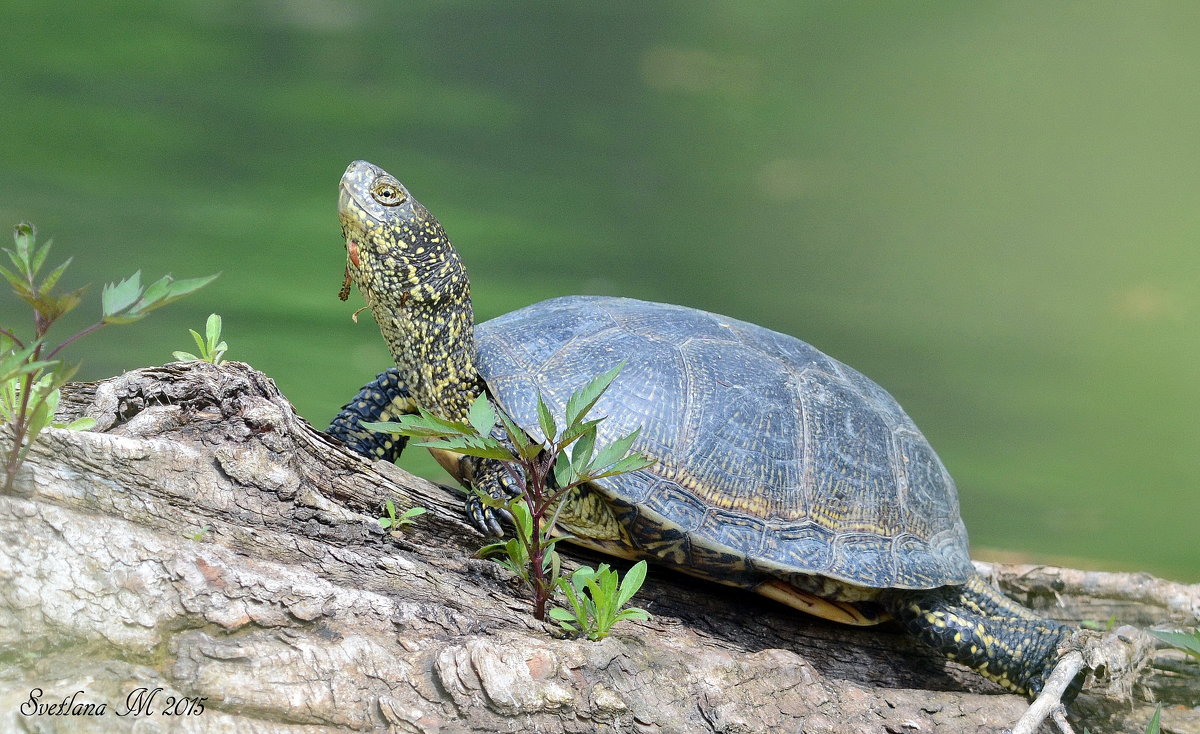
point(987, 600)
point(969, 625)
point(381, 399)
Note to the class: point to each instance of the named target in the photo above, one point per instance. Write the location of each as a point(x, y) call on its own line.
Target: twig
point(1059, 714)
point(1051, 696)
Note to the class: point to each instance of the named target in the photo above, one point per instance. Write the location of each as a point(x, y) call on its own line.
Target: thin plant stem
point(20, 426)
point(17, 342)
point(94, 327)
point(536, 550)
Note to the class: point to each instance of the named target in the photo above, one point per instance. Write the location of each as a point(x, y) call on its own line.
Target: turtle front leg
point(381, 399)
point(494, 479)
point(971, 625)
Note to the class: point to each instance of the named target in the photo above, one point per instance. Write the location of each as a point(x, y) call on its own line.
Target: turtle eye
point(387, 193)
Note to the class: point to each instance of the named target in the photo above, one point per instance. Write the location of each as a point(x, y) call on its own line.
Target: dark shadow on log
point(295, 612)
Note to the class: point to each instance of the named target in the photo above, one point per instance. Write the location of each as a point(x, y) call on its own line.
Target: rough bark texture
point(295, 612)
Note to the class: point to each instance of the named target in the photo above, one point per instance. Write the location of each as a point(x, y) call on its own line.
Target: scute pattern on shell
point(767, 450)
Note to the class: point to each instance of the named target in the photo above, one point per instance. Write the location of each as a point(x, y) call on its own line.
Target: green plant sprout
point(545, 468)
point(30, 374)
point(210, 345)
point(1095, 624)
point(395, 522)
point(199, 533)
point(595, 599)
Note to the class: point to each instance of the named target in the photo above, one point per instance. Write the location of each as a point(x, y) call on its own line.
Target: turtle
point(778, 469)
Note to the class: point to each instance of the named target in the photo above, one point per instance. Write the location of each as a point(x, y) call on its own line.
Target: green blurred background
point(991, 208)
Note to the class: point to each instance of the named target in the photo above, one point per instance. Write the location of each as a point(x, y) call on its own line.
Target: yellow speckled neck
point(416, 286)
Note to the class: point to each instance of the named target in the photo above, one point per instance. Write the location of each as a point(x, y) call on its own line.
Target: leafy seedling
point(211, 347)
point(394, 522)
point(198, 534)
point(596, 597)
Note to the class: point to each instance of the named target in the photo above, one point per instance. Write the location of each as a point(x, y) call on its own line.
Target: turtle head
point(397, 252)
point(415, 284)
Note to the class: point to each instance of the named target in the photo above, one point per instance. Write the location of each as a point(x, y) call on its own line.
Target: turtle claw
point(481, 516)
point(505, 517)
point(492, 479)
point(487, 520)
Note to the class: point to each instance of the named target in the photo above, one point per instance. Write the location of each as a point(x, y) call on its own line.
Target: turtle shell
point(769, 454)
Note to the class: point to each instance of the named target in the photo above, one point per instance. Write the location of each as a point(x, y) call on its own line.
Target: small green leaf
point(20, 265)
point(39, 416)
point(613, 452)
point(582, 576)
point(155, 292)
point(573, 432)
point(200, 345)
point(163, 291)
point(562, 615)
point(451, 426)
point(177, 289)
point(21, 254)
point(389, 507)
point(546, 420)
point(15, 363)
point(481, 446)
point(1155, 721)
point(52, 279)
point(198, 534)
point(526, 449)
point(585, 398)
point(491, 549)
point(522, 519)
point(396, 427)
point(581, 452)
point(63, 304)
point(39, 257)
point(481, 416)
point(631, 463)
point(62, 375)
point(19, 285)
point(607, 581)
point(118, 297)
point(212, 328)
point(636, 613)
point(578, 611)
point(83, 423)
point(185, 357)
point(412, 512)
point(564, 473)
point(422, 424)
point(634, 578)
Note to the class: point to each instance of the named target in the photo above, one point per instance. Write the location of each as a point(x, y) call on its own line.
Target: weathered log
point(295, 612)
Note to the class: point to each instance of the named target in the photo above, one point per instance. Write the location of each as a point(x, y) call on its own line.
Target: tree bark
point(206, 541)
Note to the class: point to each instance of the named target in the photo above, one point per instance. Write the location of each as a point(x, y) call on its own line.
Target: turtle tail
point(976, 625)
